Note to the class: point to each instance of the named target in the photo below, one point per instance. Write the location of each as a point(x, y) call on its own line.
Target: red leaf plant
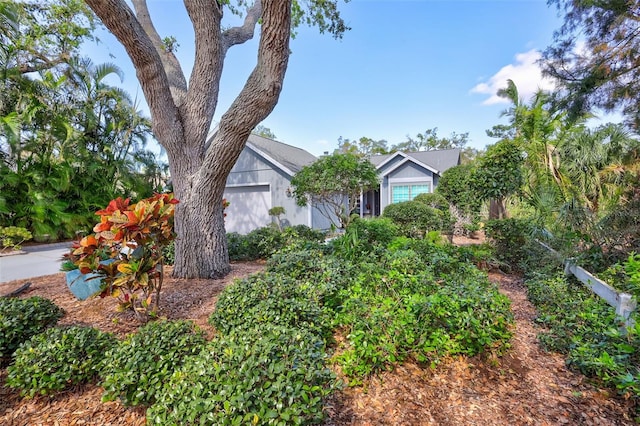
point(126, 251)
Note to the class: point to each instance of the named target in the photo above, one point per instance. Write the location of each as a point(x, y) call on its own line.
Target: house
point(261, 179)
point(403, 175)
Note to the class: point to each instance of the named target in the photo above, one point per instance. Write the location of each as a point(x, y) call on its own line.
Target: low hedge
point(59, 358)
point(20, 319)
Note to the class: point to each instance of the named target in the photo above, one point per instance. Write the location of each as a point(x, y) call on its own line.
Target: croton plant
point(126, 251)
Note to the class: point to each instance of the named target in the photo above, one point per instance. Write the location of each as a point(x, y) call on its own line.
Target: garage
point(248, 209)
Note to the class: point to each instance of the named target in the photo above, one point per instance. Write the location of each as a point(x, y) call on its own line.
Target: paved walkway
point(35, 262)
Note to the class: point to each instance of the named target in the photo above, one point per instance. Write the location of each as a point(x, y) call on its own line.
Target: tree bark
point(497, 209)
point(181, 119)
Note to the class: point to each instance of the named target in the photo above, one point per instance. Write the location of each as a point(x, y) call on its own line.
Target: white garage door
point(249, 208)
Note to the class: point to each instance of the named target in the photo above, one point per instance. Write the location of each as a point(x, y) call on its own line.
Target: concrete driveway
point(35, 262)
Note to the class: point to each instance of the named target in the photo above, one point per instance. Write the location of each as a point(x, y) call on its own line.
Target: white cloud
point(525, 73)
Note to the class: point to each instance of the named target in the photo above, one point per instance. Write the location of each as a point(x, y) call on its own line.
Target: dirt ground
point(527, 386)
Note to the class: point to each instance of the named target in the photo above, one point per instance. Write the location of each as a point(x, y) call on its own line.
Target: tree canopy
point(595, 56)
point(69, 142)
point(334, 183)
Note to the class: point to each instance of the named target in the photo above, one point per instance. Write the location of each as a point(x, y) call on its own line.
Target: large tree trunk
point(182, 115)
point(202, 241)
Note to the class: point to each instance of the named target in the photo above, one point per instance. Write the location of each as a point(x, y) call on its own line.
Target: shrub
point(265, 375)
point(59, 358)
point(12, 236)
point(415, 218)
point(238, 246)
point(134, 236)
point(263, 242)
point(510, 238)
point(365, 237)
point(20, 319)
point(268, 299)
point(136, 369)
point(404, 306)
point(581, 325)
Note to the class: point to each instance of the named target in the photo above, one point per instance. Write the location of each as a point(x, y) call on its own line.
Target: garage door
point(249, 208)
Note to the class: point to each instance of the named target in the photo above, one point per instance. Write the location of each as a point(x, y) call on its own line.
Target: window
point(400, 193)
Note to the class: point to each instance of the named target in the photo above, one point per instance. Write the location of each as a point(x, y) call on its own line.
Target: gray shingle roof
point(291, 157)
point(440, 160)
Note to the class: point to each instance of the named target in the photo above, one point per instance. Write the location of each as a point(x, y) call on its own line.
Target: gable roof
point(289, 158)
point(438, 161)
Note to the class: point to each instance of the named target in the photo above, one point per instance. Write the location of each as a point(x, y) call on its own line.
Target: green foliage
point(277, 212)
point(12, 236)
point(619, 230)
point(605, 75)
point(581, 325)
point(415, 218)
point(264, 375)
point(510, 237)
point(418, 301)
point(169, 253)
point(481, 255)
point(268, 365)
point(457, 187)
point(20, 319)
point(263, 242)
point(335, 182)
point(498, 172)
point(136, 369)
point(71, 142)
point(364, 238)
point(429, 140)
point(59, 358)
point(271, 299)
point(625, 276)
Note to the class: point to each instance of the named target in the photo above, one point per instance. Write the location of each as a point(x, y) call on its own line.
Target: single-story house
point(261, 179)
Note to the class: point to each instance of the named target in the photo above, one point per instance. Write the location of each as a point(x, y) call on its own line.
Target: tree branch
point(177, 81)
point(204, 83)
point(239, 35)
point(259, 95)
point(40, 63)
point(120, 20)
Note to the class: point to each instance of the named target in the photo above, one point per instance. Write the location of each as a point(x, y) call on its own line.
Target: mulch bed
point(527, 386)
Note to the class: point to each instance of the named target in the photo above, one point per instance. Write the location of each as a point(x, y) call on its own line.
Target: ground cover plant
point(136, 369)
point(20, 319)
point(584, 328)
point(59, 358)
point(417, 300)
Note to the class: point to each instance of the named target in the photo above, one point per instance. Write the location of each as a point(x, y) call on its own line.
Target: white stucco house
point(261, 179)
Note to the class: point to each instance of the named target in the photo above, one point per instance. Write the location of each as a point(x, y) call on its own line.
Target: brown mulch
point(526, 386)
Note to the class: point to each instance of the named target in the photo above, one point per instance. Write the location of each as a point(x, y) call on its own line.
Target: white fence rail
point(623, 303)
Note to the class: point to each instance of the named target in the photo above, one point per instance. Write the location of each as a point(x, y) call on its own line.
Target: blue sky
point(405, 67)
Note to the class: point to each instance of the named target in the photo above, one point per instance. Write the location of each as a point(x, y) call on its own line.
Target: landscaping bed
point(525, 386)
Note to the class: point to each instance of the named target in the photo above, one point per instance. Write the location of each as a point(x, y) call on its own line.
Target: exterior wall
point(318, 220)
point(252, 170)
point(408, 173)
